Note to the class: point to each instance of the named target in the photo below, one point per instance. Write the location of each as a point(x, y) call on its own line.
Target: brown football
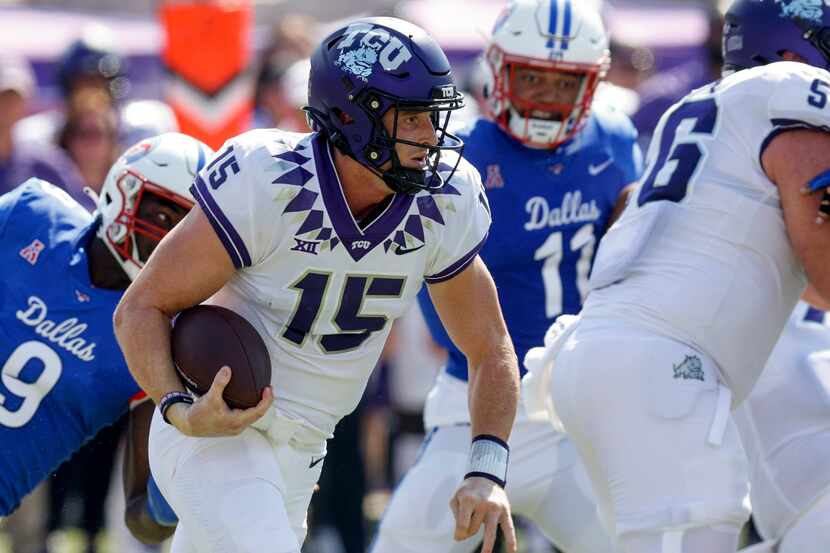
point(207, 337)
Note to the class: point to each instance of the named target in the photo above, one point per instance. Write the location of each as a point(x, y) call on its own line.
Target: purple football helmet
point(363, 70)
point(758, 32)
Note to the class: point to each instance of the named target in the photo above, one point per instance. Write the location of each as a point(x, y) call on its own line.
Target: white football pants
point(651, 423)
point(239, 494)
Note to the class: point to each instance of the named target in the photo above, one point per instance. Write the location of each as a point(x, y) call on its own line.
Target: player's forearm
point(494, 391)
point(144, 336)
point(136, 466)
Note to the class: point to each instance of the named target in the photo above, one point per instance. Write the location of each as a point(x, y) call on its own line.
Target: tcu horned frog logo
point(808, 10)
point(376, 45)
point(689, 369)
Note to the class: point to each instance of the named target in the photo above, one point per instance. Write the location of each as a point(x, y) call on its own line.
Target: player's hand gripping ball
point(207, 337)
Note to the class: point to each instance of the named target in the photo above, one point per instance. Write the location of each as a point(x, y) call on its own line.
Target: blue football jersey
point(62, 375)
point(550, 208)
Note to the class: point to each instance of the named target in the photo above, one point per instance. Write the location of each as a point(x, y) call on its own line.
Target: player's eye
point(529, 78)
point(163, 218)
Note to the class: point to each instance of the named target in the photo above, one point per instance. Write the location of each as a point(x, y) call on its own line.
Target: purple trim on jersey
point(350, 234)
point(782, 126)
point(814, 315)
point(458, 266)
point(220, 157)
point(224, 229)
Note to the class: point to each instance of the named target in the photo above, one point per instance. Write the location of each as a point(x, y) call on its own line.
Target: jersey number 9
point(29, 394)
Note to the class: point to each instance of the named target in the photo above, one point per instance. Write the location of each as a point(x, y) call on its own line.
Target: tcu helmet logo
point(809, 10)
point(375, 45)
point(448, 92)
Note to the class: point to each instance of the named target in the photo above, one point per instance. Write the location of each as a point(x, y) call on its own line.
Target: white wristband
point(488, 459)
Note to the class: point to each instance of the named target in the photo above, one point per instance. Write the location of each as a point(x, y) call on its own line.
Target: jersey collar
point(358, 242)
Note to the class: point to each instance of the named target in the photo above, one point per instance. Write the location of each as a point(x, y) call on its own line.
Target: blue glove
point(158, 508)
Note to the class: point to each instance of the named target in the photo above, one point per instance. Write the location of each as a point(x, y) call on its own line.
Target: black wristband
point(171, 398)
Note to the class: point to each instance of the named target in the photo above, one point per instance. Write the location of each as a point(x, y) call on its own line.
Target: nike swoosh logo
point(403, 251)
point(314, 463)
point(595, 170)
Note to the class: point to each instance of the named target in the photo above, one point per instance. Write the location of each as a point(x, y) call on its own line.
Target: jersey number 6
point(680, 154)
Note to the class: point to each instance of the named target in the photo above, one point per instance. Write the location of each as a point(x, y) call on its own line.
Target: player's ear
point(788, 55)
point(344, 117)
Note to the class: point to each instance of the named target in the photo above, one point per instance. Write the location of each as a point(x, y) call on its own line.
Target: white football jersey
point(701, 253)
point(785, 424)
point(321, 290)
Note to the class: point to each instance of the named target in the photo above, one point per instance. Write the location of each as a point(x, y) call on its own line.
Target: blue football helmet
point(758, 32)
point(368, 67)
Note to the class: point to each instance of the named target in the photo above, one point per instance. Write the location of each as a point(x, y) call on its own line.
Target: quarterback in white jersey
point(321, 240)
point(690, 291)
point(303, 245)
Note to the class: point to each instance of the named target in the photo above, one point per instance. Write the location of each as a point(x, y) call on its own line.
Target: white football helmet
point(164, 165)
point(559, 36)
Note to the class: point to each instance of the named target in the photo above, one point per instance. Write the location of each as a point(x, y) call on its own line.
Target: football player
point(691, 289)
point(784, 424)
point(63, 375)
point(556, 164)
point(320, 240)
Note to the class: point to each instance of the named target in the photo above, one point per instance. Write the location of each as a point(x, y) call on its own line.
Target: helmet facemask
point(538, 123)
point(380, 150)
point(409, 180)
point(122, 235)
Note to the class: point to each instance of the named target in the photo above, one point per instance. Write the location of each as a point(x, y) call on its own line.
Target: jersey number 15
point(355, 327)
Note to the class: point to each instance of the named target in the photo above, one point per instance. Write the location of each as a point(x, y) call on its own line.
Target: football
point(207, 337)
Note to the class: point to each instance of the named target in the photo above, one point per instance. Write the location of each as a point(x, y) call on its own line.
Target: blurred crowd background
point(81, 80)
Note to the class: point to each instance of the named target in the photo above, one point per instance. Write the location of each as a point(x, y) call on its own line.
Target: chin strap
point(410, 181)
point(400, 179)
